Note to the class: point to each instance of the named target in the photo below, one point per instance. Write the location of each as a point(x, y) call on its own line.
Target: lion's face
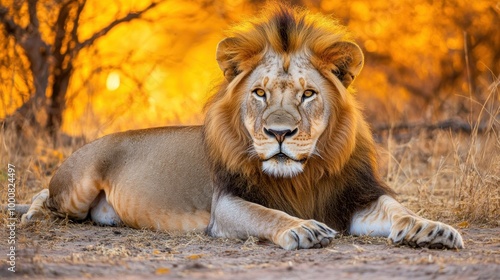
point(285, 110)
point(285, 100)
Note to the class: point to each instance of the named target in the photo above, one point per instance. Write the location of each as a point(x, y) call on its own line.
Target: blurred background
point(89, 67)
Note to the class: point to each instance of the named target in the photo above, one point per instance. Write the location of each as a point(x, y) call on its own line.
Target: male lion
point(284, 153)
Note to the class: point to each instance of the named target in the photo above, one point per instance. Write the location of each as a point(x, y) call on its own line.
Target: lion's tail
point(17, 210)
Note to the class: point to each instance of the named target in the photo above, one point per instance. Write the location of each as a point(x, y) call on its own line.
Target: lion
point(284, 153)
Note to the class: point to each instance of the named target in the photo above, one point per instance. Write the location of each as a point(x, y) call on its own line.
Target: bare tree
point(51, 63)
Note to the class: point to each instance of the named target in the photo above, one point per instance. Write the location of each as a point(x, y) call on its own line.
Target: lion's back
point(153, 178)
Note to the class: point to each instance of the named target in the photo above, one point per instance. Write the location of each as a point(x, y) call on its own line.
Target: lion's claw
point(308, 234)
point(418, 232)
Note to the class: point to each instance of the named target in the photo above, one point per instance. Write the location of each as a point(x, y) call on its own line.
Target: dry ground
point(87, 251)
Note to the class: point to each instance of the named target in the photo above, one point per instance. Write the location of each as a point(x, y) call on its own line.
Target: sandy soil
point(69, 250)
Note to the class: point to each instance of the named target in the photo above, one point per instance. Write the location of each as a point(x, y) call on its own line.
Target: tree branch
point(72, 45)
point(450, 124)
point(10, 26)
point(129, 17)
point(32, 11)
point(60, 31)
point(74, 31)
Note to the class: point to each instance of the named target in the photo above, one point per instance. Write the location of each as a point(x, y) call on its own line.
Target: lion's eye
point(259, 92)
point(308, 94)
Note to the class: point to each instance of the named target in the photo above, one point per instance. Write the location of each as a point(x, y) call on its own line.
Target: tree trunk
point(33, 112)
point(58, 100)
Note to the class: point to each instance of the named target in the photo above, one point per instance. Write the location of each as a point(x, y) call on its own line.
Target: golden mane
point(344, 148)
point(285, 31)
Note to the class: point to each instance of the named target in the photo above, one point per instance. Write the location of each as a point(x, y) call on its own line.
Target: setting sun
point(113, 81)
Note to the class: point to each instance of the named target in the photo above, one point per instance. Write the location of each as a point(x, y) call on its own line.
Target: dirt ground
point(69, 250)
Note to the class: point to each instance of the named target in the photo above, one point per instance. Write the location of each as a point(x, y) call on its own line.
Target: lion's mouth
point(283, 158)
point(283, 165)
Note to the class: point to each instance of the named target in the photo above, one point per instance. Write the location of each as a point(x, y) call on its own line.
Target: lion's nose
point(280, 135)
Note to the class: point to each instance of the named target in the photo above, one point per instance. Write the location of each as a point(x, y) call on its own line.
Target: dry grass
point(35, 160)
point(448, 176)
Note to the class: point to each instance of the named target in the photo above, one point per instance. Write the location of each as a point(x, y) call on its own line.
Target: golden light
point(371, 46)
point(163, 72)
point(113, 81)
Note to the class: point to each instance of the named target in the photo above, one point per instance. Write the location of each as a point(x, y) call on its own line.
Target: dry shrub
point(477, 185)
point(35, 159)
point(477, 163)
point(454, 177)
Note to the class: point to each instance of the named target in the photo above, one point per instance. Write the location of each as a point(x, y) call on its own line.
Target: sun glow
point(113, 81)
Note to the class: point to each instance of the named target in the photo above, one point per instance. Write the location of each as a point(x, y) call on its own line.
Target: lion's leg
point(73, 192)
point(36, 210)
point(387, 217)
point(103, 213)
point(234, 217)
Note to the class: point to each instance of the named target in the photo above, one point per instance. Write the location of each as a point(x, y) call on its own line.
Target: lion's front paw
point(305, 235)
point(418, 232)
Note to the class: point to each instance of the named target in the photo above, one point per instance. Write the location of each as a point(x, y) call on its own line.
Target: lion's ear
point(226, 58)
point(346, 60)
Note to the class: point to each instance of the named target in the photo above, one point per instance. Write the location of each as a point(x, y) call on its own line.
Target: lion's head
point(285, 101)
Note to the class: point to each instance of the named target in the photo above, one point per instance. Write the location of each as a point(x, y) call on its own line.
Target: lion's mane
point(340, 177)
